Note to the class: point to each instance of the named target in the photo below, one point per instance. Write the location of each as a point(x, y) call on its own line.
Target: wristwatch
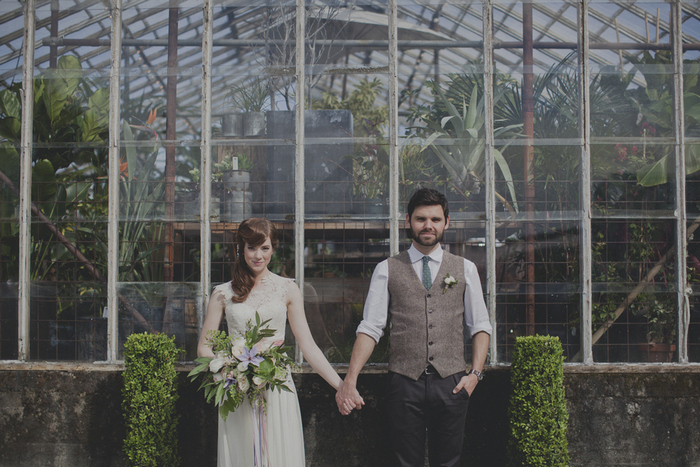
point(478, 374)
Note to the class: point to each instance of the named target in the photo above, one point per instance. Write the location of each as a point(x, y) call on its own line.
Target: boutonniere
point(449, 282)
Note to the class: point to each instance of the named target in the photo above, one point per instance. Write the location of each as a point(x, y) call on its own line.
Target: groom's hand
point(347, 398)
point(468, 383)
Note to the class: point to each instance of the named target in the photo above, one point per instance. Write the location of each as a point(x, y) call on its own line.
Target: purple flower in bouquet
point(230, 381)
point(249, 357)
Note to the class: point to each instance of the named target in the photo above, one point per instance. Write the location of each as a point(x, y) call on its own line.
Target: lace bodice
point(269, 299)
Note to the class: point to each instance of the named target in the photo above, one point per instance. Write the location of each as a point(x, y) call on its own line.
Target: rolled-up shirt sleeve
point(376, 310)
point(476, 316)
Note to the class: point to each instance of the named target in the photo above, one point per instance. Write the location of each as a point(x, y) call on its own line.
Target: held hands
point(348, 398)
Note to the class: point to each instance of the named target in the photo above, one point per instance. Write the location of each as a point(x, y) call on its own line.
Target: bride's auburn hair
point(253, 231)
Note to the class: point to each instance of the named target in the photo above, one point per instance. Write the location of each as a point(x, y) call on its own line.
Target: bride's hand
point(347, 398)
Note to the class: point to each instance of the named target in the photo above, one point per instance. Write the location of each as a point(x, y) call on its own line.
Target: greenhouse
point(136, 135)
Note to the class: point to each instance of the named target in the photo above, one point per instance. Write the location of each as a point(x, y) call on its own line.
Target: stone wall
point(637, 416)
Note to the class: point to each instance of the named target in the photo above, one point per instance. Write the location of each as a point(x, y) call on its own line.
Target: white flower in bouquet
point(243, 384)
point(259, 382)
point(237, 346)
point(217, 363)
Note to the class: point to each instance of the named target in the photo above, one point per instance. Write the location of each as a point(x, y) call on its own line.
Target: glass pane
point(694, 282)
point(692, 155)
point(436, 83)
point(632, 178)
point(631, 70)
point(551, 302)
point(69, 183)
point(693, 264)
point(11, 25)
point(346, 152)
point(634, 301)
point(346, 169)
point(339, 260)
point(170, 308)
point(537, 98)
point(633, 194)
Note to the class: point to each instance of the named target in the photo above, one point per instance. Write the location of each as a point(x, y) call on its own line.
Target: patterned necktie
point(427, 280)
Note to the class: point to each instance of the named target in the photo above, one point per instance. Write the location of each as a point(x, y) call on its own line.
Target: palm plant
point(655, 103)
point(140, 200)
point(459, 142)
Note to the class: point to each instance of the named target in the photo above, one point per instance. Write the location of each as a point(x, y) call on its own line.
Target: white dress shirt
point(376, 310)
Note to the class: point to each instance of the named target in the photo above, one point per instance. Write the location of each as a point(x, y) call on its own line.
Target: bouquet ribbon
point(261, 455)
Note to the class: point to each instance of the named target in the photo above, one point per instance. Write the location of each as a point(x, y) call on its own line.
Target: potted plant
point(191, 199)
point(370, 161)
point(454, 131)
point(661, 336)
point(236, 196)
point(251, 100)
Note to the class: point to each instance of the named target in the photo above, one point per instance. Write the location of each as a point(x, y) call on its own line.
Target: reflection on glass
point(68, 321)
point(339, 261)
point(632, 176)
point(553, 294)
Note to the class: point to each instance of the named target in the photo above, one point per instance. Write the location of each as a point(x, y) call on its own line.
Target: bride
point(254, 288)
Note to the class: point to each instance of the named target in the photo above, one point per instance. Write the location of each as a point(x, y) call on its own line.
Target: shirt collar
point(416, 255)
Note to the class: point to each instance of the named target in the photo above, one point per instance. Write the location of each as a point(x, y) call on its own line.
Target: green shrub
point(537, 411)
point(150, 393)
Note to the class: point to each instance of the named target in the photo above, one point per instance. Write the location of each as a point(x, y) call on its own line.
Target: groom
point(427, 296)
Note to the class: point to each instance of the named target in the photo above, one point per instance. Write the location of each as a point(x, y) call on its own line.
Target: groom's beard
point(416, 237)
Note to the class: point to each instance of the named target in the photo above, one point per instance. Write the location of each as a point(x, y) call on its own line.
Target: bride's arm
point(215, 313)
point(300, 328)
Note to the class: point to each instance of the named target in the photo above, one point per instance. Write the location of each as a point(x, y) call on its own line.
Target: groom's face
point(427, 225)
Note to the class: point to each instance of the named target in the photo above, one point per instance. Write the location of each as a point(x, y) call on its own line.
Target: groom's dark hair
point(427, 197)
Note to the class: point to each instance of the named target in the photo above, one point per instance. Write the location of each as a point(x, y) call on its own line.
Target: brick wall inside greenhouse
point(634, 416)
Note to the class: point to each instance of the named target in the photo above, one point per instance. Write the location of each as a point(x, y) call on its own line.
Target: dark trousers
point(426, 405)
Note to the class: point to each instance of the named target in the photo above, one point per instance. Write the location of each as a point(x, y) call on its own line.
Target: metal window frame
point(584, 47)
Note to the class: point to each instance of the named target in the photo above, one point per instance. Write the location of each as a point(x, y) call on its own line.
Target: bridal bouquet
point(243, 366)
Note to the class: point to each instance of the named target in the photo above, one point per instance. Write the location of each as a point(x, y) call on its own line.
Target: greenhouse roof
point(351, 40)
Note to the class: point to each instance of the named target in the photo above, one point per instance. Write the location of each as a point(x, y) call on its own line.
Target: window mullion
point(299, 216)
point(25, 217)
point(680, 214)
point(585, 188)
point(205, 161)
point(394, 207)
point(113, 182)
point(489, 136)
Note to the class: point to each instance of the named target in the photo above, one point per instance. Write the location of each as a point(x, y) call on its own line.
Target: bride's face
point(258, 257)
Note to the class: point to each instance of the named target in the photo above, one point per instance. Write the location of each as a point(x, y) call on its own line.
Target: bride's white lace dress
point(285, 440)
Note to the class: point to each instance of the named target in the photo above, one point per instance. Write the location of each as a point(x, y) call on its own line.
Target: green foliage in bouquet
point(150, 393)
point(243, 366)
point(537, 411)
